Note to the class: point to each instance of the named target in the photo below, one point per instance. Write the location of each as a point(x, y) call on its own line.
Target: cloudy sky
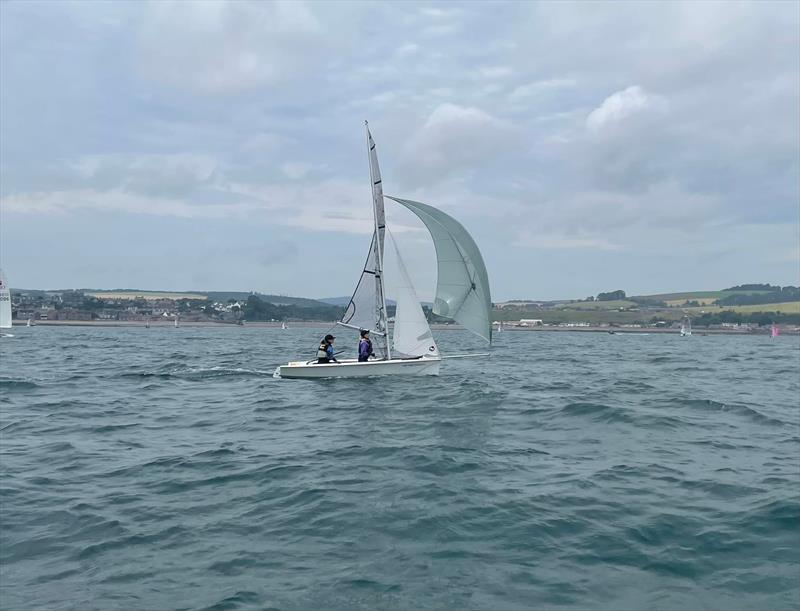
point(587, 147)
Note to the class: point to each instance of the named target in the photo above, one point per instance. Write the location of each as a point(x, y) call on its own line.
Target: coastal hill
point(748, 303)
point(743, 304)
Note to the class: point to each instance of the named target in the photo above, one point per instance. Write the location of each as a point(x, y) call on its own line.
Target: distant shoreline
point(437, 327)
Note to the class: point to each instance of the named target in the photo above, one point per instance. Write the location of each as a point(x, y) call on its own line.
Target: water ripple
point(149, 469)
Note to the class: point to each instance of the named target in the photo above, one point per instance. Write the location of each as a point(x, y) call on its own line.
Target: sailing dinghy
point(462, 294)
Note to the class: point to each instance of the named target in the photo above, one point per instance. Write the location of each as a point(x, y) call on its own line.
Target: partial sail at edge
point(462, 287)
point(5, 303)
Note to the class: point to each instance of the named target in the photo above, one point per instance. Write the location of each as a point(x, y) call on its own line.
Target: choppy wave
point(165, 470)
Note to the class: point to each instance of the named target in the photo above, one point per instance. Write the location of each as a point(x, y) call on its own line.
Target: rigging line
point(358, 284)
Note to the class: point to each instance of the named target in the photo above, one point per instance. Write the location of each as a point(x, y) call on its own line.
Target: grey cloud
point(221, 47)
point(559, 127)
point(453, 139)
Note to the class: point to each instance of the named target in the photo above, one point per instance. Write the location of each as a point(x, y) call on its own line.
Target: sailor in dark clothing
point(364, 347)
point(325, 350)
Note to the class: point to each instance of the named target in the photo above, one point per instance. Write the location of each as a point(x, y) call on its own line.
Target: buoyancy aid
point(322, 351)
point(364, 348)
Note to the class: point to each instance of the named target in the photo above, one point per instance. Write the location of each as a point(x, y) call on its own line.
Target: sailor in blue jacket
point(364, 347)
point(325, 350)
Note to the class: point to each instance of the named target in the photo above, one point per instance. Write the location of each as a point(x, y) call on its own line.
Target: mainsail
point(5, 303)
point(367, 307)
point(462, 288)
point(411, 336)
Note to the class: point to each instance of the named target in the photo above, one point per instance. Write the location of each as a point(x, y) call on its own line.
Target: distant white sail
point(462, 288)
point(412, 335)
point(5, 303)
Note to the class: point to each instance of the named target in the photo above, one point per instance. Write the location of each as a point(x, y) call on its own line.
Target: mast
point(379, 217)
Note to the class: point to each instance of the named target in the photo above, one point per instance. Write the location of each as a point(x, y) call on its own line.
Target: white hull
point(354, 369)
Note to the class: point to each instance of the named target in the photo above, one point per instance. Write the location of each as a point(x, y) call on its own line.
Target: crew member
point(325, 350)
point(364, 347)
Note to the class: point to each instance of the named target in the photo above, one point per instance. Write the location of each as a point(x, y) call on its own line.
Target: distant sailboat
point(283, 326)
point(177, 324)
point(462, 294)
point(500, 326)
point(5, 303)
point(28, 324)
point(686, 327)
point(774, 330)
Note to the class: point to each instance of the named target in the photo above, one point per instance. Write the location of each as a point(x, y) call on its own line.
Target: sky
point(650, 147)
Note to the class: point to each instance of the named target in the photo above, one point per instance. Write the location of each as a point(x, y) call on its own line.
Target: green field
point(702, 297)
point(791, 307)
point(559, 315)
point(598, 305)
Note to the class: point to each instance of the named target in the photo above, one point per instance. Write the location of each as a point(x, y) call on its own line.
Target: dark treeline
point(649, 302)
point(754, 287)
point(776, 294)
point(611, 296)
point(257, 309)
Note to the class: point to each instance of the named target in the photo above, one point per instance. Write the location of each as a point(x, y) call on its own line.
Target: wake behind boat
point(462, 294)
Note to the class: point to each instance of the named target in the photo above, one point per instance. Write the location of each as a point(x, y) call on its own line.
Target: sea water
point(166, 468)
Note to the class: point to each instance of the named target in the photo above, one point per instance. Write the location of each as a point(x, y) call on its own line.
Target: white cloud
point(621, 105)
point(527, 239)
point(536, 88)
point(213, 46)
point(495, 72)
point(438, 12)
point(190, 166)
point(407, 50)
point(264, 142)
point(296, 170)
point(119, 201)
point(679, 125)
point(453, 139)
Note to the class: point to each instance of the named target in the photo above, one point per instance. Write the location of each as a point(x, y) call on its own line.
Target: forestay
point(412, 335)
point(462, 288)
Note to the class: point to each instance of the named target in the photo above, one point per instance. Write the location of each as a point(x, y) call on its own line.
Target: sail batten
point(462, 288)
